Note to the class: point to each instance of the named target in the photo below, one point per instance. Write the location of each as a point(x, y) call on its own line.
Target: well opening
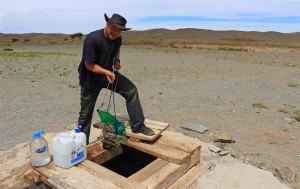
point(129, 162)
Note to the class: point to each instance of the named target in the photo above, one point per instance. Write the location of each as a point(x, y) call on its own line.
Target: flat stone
point(224, 153)
point(194, 127)
point(286, 173)
point(219, 144)
point(214, 148)
point(224, 138)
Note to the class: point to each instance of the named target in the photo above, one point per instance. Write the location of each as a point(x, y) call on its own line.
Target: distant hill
point(191, 34)
point(164, 36)
point(33, 37)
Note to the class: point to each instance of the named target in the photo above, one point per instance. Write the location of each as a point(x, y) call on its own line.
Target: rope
point(113, 89)
point(103, 102)
point(112, 96)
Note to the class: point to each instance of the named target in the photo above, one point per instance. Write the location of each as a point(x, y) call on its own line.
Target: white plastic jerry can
point(69, 149)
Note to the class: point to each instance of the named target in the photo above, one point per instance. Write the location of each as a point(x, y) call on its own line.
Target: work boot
point(145, 130)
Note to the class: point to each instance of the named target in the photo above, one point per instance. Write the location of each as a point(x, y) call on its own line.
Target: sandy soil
point(213, 88)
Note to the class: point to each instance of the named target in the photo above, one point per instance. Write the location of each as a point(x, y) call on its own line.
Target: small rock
point(214, 148)
point(224, 153)
point(219, 145)
point(224, 138)
point(286, 173)
point(195, 127)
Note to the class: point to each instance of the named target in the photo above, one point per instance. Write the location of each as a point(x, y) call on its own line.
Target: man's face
point(112, 32)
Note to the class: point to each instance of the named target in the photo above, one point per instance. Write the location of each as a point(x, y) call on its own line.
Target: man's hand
point(117, 65)
point(110, 76)
point(99, 70)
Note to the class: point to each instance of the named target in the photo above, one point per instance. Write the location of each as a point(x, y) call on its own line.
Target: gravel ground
point(209, 87)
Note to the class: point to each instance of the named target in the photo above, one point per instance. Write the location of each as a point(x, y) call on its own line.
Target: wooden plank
point(134, 139)
point(164, 124)
point(148, 170)
point(189, 177)
point(129, 133)
point(54, 184)
point(179, 141)
point(157, 127)
point(162, 151)
point(94, 150)
point(170, 173)
point(74, 177)
point(152, 124)
point(107, 174)
point(181, 137)
point(31, 176)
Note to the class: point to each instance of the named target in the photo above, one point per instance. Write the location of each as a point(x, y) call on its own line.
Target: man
point(101, 52)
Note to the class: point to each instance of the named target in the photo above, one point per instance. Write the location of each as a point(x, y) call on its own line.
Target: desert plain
point(245, 84)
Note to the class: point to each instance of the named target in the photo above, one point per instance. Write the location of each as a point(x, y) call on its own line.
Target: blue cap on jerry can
point(77, 129)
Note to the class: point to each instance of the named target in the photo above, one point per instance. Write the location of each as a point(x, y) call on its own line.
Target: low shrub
point(8, 49)
point(259, 105)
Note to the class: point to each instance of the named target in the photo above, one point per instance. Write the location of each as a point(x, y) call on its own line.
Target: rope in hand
point(112, 94)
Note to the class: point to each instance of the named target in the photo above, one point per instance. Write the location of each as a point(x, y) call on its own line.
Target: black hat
point(117, 21)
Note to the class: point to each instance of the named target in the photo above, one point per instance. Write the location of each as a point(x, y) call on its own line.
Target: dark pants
point(126, 89)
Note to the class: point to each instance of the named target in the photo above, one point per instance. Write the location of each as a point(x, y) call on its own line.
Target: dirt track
point(209, 87)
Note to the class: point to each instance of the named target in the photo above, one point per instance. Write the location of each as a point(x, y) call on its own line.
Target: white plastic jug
point(69, 149)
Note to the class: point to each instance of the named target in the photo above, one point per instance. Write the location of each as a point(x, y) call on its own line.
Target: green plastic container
point(107, 118)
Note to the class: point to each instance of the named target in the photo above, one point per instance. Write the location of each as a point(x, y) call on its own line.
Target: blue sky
point(69, 16)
